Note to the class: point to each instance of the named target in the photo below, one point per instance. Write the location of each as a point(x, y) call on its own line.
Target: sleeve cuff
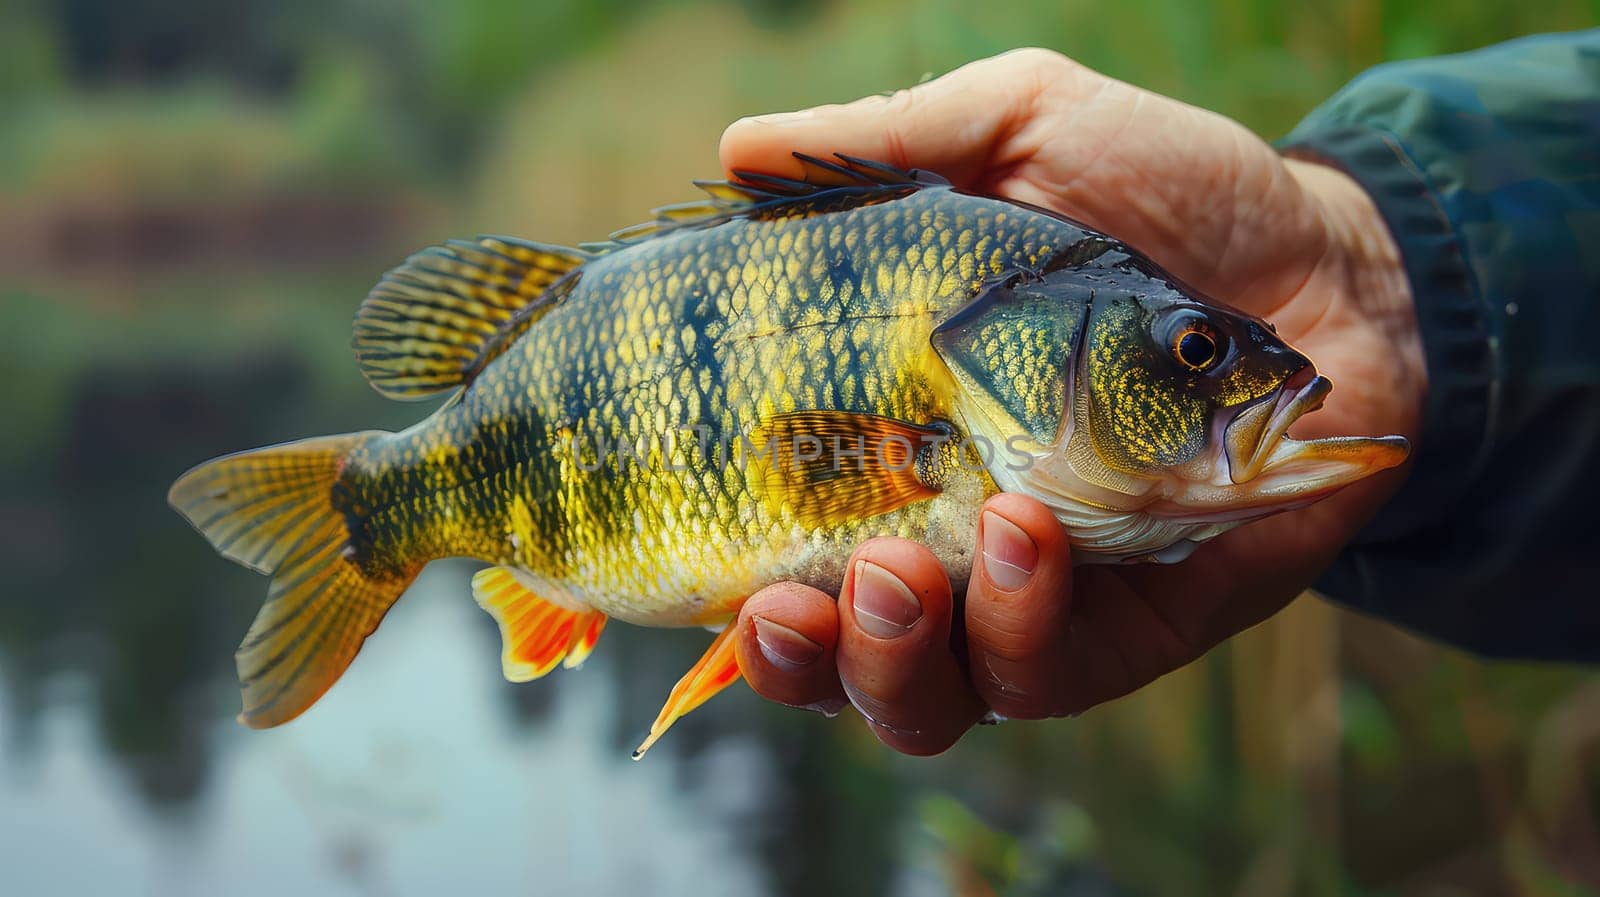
point(1457, 341)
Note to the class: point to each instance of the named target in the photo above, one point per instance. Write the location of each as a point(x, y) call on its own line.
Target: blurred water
point(121, 768)
point(408, 778)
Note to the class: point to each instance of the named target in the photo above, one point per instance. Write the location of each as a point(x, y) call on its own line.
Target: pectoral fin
point(831, 466)
point(717, 669)
point(535, 634)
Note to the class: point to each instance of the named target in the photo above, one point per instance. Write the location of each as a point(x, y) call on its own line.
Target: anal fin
point(717, 669)
point(535, 634)
point(585, 632)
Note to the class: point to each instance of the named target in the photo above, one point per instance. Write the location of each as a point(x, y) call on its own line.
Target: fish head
point(1153, 417)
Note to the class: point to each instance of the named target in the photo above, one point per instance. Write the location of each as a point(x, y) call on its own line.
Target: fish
point(738, 391)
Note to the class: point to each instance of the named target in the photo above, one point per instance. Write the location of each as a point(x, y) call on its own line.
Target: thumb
point(957, 125)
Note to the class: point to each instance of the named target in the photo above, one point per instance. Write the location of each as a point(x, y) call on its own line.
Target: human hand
point(1292, 241)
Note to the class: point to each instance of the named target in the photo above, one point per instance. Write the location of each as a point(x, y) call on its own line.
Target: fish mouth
point(1260, 452)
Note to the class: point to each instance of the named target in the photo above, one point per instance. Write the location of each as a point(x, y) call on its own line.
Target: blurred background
point(193, 199)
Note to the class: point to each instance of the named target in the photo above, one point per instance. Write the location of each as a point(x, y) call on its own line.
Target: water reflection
point(109, 591)
point(423, 770)
point(409, 778)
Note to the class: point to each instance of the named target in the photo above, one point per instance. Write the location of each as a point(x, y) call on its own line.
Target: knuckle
point(1043, 60)
point(1010, 635)
point(1045, 74)
point(903, 100)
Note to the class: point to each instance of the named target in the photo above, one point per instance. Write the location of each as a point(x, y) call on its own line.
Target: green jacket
point(1486, 167)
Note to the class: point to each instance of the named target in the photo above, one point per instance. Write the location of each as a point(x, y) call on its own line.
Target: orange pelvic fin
point(535, 634)
point(717, 669)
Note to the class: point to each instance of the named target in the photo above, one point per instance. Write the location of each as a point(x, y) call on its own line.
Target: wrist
point(1366, 269)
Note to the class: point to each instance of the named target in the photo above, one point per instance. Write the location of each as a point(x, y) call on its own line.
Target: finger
point(786, 638)
point(894, 652)
point(953, 125)
point(1018, 602)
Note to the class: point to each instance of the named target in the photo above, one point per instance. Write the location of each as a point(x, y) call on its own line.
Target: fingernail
point(1009, 555)
point(783, 647)
point(885, 607)
point(783, 119)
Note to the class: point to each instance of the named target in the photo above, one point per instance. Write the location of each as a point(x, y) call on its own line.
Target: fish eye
point(1195, 348)
point(1192, 341)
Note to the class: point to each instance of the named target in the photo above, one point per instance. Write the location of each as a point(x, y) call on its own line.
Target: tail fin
point(272, 510)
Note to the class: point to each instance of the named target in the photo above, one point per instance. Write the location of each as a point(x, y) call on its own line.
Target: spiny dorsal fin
point(752, 194)
point(432, 323)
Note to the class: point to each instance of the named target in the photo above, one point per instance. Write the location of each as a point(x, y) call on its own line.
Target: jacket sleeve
point(1486, 168)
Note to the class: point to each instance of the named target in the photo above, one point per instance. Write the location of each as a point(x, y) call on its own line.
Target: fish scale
point(663, 547)
point(624, 436)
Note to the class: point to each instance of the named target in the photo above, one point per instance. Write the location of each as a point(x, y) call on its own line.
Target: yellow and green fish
point(740, 391)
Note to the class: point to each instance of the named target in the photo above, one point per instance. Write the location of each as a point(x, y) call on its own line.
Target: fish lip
point(1249, 448)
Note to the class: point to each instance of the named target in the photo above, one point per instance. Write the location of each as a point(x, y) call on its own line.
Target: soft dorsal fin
point(751, 194)
point(432, 323)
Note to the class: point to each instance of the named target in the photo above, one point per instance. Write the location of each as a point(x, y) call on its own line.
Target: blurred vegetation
point(193, 198)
